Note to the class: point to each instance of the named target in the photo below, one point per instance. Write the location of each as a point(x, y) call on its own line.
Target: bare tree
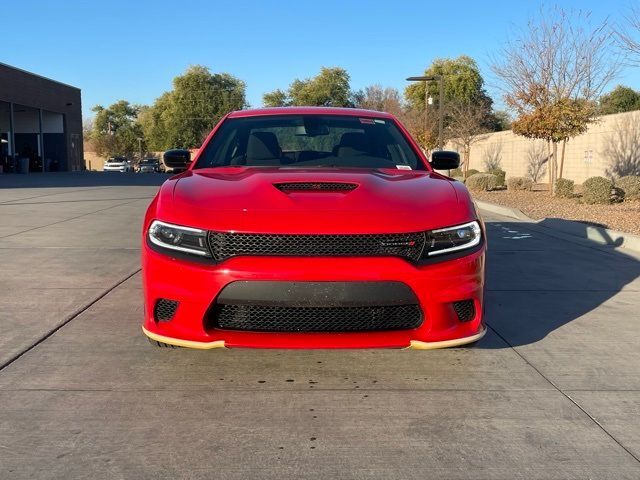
point(466, 126)
point(422, 126)
point(492, 156)
point(376, 97)
point(628, 36)
point(622, 147)
point(537, 158)
point(552, 75)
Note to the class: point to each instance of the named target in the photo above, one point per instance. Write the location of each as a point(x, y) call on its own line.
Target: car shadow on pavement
point(80, 179)
point(540, 279)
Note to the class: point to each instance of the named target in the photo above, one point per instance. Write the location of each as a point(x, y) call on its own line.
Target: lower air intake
point(465, 310)
point(261, 318)
point(164, 310)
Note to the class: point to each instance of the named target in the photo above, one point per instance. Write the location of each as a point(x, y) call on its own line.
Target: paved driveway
point(552, 391)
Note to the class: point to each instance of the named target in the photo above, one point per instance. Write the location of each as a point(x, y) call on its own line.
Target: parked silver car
point(149, 165)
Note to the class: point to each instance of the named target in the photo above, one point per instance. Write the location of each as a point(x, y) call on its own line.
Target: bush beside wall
point(630, 185)
point(482, 182)
point(597, 190)
point(564, 188)
point(519, 183)
point(500, 175)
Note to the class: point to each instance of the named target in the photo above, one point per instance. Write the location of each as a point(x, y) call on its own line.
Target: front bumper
point(196, 287)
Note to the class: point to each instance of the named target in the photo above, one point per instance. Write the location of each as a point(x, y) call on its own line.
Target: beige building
point(586, 156)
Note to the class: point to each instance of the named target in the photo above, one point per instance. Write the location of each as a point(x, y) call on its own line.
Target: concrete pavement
point(552, 391)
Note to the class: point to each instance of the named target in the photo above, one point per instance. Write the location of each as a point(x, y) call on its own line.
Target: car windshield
point(147, 162)
point(310, 141)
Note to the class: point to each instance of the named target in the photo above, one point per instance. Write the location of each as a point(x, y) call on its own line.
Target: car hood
point(247, 199)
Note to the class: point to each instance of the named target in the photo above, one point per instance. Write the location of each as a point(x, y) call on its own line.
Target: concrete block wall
point(584, 155)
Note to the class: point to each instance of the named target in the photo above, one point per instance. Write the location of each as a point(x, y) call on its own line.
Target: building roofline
point(39, 76)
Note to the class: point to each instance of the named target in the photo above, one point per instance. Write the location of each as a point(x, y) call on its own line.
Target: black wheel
point(161, 344)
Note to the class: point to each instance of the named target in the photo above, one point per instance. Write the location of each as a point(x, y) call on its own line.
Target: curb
point(600, 235)
point(502, 210)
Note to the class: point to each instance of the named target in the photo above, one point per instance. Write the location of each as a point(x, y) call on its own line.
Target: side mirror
point(177, 159)
point(445, 160)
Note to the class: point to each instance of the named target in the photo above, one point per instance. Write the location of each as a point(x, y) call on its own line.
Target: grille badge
point(411, 243)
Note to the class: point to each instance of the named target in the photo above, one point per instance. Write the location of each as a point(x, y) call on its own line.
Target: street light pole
point(439, 79)
point(440, 113)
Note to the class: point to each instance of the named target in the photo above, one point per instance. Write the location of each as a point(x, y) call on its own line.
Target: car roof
point(346, 112)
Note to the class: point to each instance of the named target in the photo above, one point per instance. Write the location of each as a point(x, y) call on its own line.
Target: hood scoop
point(315, 186)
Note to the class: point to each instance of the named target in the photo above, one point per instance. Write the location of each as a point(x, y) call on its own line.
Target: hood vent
point(315, 186)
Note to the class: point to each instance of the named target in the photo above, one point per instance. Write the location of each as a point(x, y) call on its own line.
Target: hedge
point(564, 188)
point(519, 183)
point(630, 185)
point(597, 190)
point(482, 182)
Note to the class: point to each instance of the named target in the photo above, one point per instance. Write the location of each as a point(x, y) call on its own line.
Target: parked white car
point(117, 164)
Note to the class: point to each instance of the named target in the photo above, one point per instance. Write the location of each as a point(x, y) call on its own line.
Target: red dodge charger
point(313, 228)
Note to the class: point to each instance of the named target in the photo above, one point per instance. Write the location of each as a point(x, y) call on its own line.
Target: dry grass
point(540, 204)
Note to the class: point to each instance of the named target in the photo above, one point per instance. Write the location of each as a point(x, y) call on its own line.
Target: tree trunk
point(465, 163)
point(564, 144)
point(554, 168)
point(549, 164)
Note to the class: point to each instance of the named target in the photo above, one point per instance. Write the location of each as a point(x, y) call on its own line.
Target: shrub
point(597, 190)
point(519, 183)
point(500, 174)
point(481, 182)
point(460, 179)
point(472, 171)
point(630, 185)
point(564, 188)
point(456, 172)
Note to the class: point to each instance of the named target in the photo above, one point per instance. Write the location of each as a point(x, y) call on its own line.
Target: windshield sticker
point(403, 167)
point(377, 120)
point(367, 121)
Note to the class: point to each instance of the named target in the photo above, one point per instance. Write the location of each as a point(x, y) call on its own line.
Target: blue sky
point(132, 49)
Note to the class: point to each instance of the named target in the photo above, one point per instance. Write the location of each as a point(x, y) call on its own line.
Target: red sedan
point(313, 228)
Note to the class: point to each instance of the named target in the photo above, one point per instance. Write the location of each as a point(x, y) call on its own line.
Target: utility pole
point(439, 79)
point(140, 148)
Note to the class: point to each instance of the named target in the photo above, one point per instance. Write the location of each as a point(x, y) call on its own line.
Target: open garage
point(40, 123)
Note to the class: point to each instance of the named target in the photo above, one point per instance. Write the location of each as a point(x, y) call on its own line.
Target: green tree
point(277, 98)
point(184, 116)
point(463, 88)
point(154, 126)
point(115, 130)
point(330, 88)
point(463, 84)
point(620, 99)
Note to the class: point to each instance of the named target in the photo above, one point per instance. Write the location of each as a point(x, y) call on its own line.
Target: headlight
point(176, 237)
point(451, 239)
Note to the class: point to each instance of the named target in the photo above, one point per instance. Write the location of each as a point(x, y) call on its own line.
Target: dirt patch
point(540, 204)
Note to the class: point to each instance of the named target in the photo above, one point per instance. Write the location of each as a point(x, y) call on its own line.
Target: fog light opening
point(164, 310)
point(465, 310)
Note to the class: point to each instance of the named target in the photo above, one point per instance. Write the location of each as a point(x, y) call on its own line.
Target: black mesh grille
point(262, 318)
point(226, 245)
point(465, 310)
point(164, 310)
point(315, 186)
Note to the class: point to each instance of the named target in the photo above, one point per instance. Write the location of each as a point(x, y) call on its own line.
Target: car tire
point(161, 344)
